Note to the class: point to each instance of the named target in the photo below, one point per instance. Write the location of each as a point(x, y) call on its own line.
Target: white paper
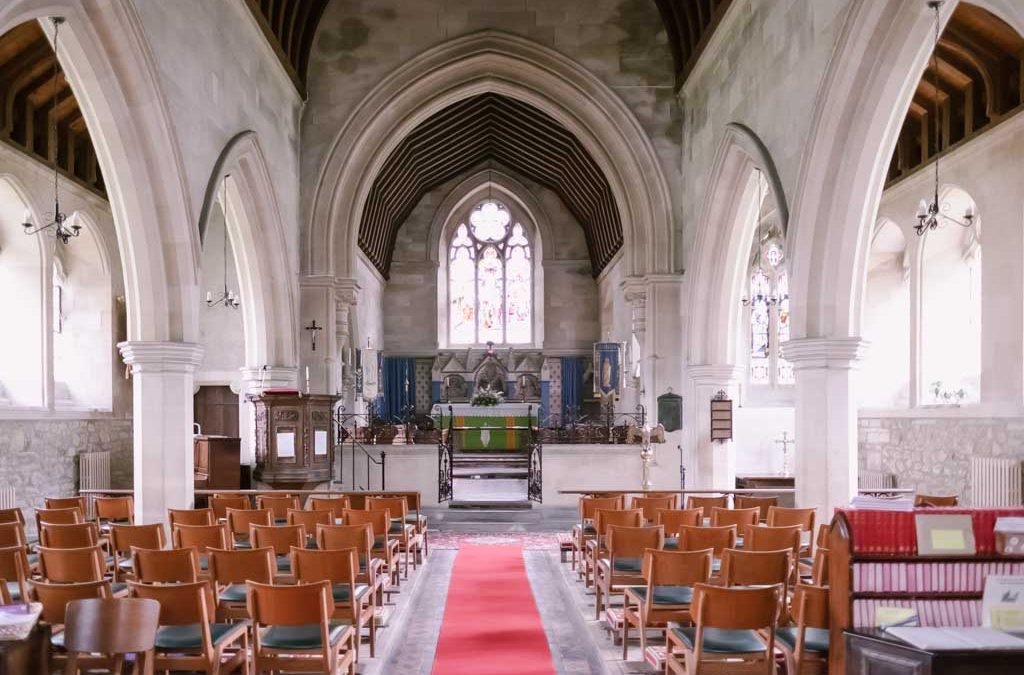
point(319, 442)
point(1002, 604)
point(952, 639)
point(286, 444)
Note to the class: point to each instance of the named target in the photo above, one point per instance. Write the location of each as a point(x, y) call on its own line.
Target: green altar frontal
point(490, 432)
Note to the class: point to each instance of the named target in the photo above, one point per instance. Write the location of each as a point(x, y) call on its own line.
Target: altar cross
point(313, 328)
point(783, 444)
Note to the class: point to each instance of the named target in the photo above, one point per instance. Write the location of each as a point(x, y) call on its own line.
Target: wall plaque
point(721, 417)
point(670, 411)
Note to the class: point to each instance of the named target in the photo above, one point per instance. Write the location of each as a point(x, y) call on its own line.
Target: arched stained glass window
point(490, 279)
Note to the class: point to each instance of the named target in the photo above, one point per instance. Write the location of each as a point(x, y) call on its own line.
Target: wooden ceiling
point(980, 82)
point(477, 131)
point(690, 24)
point(290, 26)
point(27, 114)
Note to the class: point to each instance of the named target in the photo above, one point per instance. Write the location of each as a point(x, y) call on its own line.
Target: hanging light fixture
point(228, 298)
point(931, 214)
point(62, 231)
point(759, 297)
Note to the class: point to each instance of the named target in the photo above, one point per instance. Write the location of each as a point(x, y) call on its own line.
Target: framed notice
point(670, 411)
point(721, 417)
point(945, 534)
point(286, 445)
point(319, 442)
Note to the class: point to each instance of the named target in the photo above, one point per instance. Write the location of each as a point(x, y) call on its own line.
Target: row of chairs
point(726, 585)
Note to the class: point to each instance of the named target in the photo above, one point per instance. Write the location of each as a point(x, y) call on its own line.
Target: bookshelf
point(874, 562)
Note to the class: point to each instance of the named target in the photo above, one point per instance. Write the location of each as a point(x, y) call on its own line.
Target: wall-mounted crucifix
point(314, 329)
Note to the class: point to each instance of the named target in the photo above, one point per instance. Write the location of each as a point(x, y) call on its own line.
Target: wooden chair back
point(14, 568)
point(603, 519)
point(738, 517)
point(201, 537)
point(677, 568)
point(779, 516)
point(700, 538)
point(65, 503)
point(278, 504)
point(590, 505)
point(12, 534)
point(762, 503)
point(926, 501)
point(299, 605)
point(758, 538)
point(652, 505)
point(732, 608)
point(279, 538)
point(673, 519)
point(55, 597)
point(221, 503)
point(165, 566)
point(632, 542)
point(310, 519)
point(339, 566)
point(239, 520)
point(398, 507)
point(190, 517)
point(123, 537)
point(359, 537)
point(110, 626)
point(115, 509)
point(227, 566)
point(77, 535)
point(755, 568)
point(14, 515)
point(707, 503)
point(822, 538)
point(810, 606)
point(180, 604)
point(71, 565)
point(820, 567)
point(379, 521)
point(336, 505)
point(58, 517)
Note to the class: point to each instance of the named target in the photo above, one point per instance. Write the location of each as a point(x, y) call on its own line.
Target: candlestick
point(307, 379)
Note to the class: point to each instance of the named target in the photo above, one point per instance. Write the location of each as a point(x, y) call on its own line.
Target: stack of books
point(872, 503)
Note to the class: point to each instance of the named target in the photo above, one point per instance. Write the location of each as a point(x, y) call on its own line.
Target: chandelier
point(931, 214)
point(760, 295)
point(62, 230)
point(228, 298)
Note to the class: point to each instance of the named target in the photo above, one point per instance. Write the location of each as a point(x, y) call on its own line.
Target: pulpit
point(294, 439)
point(217, 462)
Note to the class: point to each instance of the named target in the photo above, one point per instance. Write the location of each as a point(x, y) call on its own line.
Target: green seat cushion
point(815, 639)
point(33, 558)
point(118, 587)
point(396, 527)
point(299, 637)
point(671, 543)
point(234, 593)
point(722, 641)
point(341, 592)
point(243, 544)
point(589, 531)
point(189, 636)
point(204, 563)
point(807, 561)
point(14, 590)
point(629, 565)
point(284, 563)
point(667, 595)
point(716, 565)
point(378, 542)
point(413, 519)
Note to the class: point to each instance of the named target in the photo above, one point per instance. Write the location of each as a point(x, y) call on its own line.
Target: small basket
point(17, 621)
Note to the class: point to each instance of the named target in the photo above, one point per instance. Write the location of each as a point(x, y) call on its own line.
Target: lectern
point(294, 438)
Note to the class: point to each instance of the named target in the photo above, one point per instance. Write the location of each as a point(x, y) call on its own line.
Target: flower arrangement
point(487, 397)
point(945, 396)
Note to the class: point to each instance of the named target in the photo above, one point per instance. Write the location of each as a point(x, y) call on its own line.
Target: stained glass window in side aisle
point(785, 374)
point(760, 323)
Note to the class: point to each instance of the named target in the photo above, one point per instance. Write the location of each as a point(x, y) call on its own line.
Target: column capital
point(267, 377)
point(834, 353)
point(347, 290)
point(635, 290)
point(161, 357)
point(714, 375)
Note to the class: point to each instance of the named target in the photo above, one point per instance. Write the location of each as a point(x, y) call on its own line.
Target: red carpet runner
point(491, 625)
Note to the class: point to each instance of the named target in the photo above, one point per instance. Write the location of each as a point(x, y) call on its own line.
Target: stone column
point(346, 294)
point(254, 381)
point(163, 376)
point(716, 460)
point(635, 292)
point(826, 420)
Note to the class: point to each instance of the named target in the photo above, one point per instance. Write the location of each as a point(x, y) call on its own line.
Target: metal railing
point(350, 427)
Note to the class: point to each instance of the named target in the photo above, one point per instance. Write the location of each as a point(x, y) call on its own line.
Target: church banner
point(607, 368)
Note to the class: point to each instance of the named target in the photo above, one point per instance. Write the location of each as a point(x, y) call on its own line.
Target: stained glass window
point(760, 327)
point(768, 304)
point(785, 368)
point(490, 279)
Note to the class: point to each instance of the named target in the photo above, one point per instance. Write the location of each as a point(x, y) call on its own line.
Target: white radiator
point(995, 481)
point(7, 498)
point(876, 480)
point(93, 474)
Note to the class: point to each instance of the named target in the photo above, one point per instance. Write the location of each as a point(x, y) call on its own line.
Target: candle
point(209, 296)
point(307, 373)
point(28, 217)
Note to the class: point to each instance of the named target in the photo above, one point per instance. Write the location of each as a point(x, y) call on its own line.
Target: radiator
point(995, 481)
point(876, 480)
point(93, 474)
point(7, 498)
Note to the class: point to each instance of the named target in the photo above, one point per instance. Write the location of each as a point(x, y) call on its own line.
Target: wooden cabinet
point(871, 652)
point(217, 462)
point(31, 655)
point(294, 439)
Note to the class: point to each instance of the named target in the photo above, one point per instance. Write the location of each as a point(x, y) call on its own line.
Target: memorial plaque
point(721, 417)
point(670, 411)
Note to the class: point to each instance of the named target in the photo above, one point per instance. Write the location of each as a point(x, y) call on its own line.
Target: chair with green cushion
point(55, 598)
point(165, 566)
point(624, 564)
point(410, 542)
point(14, 570)
point(188, 638)
point(385, 546)
point(806, 644)
point(673, 520)
point(735, 632)
point(597, 547)
point(239, 521)
point(229, 572)
point(354, 603)
point(124, 537)
point(359, 537)
point(759, 568)
point(292, 630)
point(670, 577)
point(584, 531)
point(281, 538)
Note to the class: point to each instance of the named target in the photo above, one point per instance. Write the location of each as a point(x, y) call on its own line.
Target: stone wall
point(39, 458)
point(932, 453)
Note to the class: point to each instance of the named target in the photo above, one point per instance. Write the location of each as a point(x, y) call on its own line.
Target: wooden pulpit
point(294, 439)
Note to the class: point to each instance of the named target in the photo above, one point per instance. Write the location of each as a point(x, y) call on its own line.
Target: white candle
point(307, 373)
point(209, 296)
point(28, 217)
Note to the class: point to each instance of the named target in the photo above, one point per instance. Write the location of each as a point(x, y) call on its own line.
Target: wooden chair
point(239, 520)
point(14, 572)
point(759, 568)
point(281, 539)
point(336, 505)
point(651, 505)
point(230, 572)
point(603, 519)
point(112, 627)
point(190, 517)
point(292, 630)
point(820, 567)
point(930, 501)
point(74, 565)
point(806, 644)
point(700, 538)
point(738, 517)
point(65, 503)
point(410, 543)
point(221, 503)
point(278, 505)
point(762, 538)
point(309, 519)
point(14, 515)
point(385, 547)
point(762, 503)
point(55, 598)
point(353, 602)
point(188, 638)
point(624, 563)
point(417, 519)
point(359, 537)
point(673, 519)
point(584, 531)
point(13, 534)
point(115, 510)
point(124, 537)
point(77, 535)
point(707, 503)
point(729, 636)
point(165, 566)
point(667, 593)
point(202, 538)
point(58, 517)
point(782, 517)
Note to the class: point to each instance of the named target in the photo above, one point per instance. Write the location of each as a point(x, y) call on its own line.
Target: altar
point(502, 427)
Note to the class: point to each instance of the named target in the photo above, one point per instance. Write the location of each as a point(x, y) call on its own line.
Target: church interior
point(512, 336)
